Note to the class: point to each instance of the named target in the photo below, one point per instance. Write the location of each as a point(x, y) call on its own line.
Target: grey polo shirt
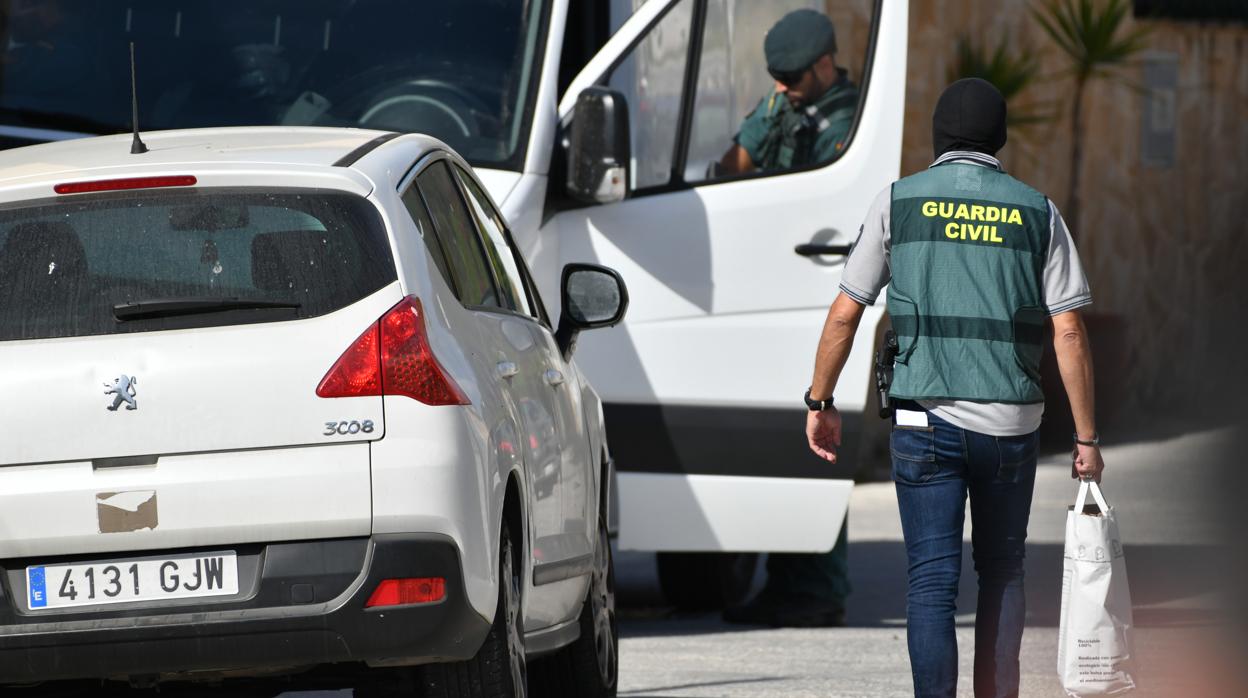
point(1065, 288)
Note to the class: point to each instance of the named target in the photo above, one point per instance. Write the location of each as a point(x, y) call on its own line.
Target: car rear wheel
point(498, 670)
point(706, 581)
point(589, 667)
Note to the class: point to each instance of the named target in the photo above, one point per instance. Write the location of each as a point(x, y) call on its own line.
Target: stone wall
point(1165, 246)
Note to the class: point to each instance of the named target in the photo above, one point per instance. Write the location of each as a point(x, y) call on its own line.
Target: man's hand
point(823, 428)
point(736, 161)
point(1087, 463)
point(823, 432)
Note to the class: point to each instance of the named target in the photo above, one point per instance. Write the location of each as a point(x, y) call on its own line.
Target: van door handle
point(553, 377)
point(506, 369)
point(807, 249)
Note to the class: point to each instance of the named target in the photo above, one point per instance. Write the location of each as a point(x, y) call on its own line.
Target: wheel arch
point(513, 514)
point(608, 508)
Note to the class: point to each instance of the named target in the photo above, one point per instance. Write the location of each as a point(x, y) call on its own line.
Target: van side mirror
point(593, 296)
point(598, 147)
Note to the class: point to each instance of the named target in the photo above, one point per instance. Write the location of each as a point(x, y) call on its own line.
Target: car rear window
point(145, 261)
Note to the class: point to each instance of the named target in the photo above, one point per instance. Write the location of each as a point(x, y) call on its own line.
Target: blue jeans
point(934, 468)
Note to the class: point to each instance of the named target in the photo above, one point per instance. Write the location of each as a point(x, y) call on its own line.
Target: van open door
point(730, 276)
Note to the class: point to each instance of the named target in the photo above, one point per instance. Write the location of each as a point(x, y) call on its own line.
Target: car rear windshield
point(145, 261)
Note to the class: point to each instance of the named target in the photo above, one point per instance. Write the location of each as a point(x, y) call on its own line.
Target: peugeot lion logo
point(122, 390)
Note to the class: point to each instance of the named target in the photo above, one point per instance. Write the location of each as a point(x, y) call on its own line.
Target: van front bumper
point(300, 604)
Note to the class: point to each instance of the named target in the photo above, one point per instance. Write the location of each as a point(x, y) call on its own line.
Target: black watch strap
point(817, 405)
point(1094, 441)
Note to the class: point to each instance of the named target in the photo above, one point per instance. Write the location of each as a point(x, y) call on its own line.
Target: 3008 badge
point(347, 428)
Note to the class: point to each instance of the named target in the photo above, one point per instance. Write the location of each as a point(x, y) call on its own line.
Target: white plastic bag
point(1094, 639)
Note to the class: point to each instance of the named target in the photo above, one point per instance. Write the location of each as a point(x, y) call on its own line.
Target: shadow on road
point(650, 692)
point(1219, 406)
point(1160, 576)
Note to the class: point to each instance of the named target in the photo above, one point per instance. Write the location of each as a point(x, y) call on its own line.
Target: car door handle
point(553, 377)
point(807, 249)
point(506, 369)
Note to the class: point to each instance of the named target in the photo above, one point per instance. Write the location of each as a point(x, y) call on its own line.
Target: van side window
point(424, 224)
point(730, 113)
point(746, 119)
point(491, 226)
point(462, 245)
point(651, 78)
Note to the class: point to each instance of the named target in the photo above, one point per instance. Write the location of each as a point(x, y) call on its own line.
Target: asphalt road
point(1177, 499)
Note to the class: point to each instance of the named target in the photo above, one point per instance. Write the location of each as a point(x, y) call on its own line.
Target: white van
point(730, 278)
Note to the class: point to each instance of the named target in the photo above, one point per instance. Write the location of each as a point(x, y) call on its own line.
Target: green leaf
point(1088, 32)
point(1012, 70)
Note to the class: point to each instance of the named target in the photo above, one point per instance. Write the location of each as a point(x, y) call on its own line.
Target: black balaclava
point(970, 115)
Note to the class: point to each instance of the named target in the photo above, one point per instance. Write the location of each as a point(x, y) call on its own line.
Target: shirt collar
point(968, 156)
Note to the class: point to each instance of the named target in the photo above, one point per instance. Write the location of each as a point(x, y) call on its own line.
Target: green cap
point(798, 40)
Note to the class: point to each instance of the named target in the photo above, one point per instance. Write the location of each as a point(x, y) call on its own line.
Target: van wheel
point(706, 581)
point(498, 670)
point(589, 667)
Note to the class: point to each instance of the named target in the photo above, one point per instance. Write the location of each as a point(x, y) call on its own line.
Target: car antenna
point(136, 146)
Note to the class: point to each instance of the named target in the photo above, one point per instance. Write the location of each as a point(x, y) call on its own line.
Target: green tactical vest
point(793, 136)
point(968, 248)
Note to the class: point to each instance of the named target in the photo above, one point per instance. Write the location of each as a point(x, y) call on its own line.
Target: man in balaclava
point(977, 262)
point(805, 119)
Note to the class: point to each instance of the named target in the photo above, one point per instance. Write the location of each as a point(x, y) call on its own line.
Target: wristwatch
point(1094, 441)
point(817, 405)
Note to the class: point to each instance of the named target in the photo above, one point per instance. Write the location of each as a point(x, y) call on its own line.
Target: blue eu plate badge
point(36, 582)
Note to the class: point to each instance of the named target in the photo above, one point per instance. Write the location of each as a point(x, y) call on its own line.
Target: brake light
point(358, 371)
point(393, 357)
point(408, 364)
point(398, 592)
point(126, 183)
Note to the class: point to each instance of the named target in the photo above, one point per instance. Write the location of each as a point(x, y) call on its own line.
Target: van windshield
point(464, 71)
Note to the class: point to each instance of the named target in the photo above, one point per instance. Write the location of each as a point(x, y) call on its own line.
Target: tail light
point(393, 357)
point(398, 592)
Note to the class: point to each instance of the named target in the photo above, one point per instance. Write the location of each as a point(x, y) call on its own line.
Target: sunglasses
point(789, 78)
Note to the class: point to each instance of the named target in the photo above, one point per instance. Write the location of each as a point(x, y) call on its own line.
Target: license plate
point(125, 581)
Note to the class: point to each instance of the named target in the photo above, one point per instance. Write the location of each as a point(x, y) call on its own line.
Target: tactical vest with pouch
point(794, 133)
point(968, 249)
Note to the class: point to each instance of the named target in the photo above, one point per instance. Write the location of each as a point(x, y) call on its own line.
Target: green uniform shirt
point(777, 137)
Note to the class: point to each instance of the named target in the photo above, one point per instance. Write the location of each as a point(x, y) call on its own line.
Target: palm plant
point(1088, 33)
point(1010, 72)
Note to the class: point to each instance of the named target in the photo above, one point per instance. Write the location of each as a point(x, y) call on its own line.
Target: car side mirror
point(598, 147)
point(593, 296)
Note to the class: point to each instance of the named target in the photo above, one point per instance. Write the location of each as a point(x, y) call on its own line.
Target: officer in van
point(803, 121)
point(806, 117)
point(976, 262)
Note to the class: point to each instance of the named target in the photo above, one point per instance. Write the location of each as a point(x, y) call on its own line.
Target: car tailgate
point(227, 441)
point(189, 500)
point(229, 388)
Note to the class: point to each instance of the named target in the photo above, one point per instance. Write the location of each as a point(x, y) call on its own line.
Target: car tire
point(499, 668)
point(706, 581)
point(589, 667)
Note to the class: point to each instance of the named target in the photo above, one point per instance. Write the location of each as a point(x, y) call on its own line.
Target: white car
point(288, 397)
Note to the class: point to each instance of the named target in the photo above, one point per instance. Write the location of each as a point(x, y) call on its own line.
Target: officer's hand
point(1087, 463)
point(823, 432)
